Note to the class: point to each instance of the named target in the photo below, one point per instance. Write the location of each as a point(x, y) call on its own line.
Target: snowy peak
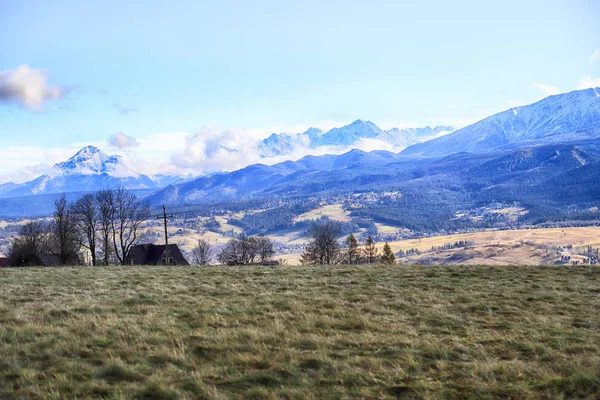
point(88, 170)
point(91, 160)
point(347, 137)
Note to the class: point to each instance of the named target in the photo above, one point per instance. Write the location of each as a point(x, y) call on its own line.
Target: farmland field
point(300, 332)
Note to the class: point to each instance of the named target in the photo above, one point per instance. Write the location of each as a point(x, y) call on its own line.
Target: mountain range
point(91, 168)
point(347, 137)
point(534, 138)
point(508, 155)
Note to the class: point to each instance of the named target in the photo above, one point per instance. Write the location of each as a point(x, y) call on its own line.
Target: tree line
point(325, 248)
point(106, 224)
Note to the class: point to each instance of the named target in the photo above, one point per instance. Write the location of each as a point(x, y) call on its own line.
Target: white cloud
point(27, 87)
point(211, 149)
point(587, 82)
point(547, 89)
point(122, 141)
point(595, 56)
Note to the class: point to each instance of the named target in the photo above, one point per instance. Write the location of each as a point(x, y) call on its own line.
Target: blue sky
point(149, 68)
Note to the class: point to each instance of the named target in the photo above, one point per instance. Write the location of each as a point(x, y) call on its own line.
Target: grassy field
point(335, 212)
point(300, 332)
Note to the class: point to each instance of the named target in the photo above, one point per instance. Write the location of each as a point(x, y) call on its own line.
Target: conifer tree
point(370, 251)
point(352, 250)
point(388, 256)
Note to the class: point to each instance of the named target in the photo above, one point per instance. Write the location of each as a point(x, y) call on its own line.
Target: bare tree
point(87, 219)
point(30, 244)
point(231, 252)
point(64, 240)
point(323, 248)
point(264, 248)
point(240, 251)
point(129, 215)
point(106, 215)
point(202, 254)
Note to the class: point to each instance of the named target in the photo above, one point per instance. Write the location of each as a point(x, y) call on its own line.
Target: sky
point(155, 80)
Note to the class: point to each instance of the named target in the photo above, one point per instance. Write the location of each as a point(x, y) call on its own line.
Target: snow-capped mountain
point(559, 118)
point(88, 170)
point(347, 137)
point(91, 160)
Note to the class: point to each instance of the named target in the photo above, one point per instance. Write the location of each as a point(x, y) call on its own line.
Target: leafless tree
point(64, 241)
point(129, 214)
point(202, 254)
point(106, 215)
point(87, 218)
point(264, 248)
point(230, 253)
point(30, 244)
point(241, 250)
point(323, 248)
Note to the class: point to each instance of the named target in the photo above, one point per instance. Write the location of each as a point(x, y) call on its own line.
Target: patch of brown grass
point(300, 332)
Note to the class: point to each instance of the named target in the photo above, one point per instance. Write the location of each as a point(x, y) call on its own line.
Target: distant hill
point(560, 118)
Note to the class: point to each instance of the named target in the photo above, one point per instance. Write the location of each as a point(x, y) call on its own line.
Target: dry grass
point(335, 212)
point(300, 332)
point(550, 236)
point(506, 247)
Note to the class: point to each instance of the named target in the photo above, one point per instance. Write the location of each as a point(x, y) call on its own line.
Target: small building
point(42, 260)
point(155, 254)
point(3, 262)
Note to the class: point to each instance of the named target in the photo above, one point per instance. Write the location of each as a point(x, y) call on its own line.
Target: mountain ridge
point(563, 117)
point(347, 137)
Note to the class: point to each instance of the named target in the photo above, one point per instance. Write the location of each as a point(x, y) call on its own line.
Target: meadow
point(299, 332)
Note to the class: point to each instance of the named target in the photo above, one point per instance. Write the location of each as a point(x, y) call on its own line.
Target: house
point(41, 260)
point(153, 254)
point(3, 262)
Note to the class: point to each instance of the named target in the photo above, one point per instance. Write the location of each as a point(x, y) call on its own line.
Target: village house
point(153, 254)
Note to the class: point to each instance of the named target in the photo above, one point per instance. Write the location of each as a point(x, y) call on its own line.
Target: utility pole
point(164, 217)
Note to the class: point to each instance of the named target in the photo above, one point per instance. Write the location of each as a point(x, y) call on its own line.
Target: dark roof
point(151, 254)
point(3, 261)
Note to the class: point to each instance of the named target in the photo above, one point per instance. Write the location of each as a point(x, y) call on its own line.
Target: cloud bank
point(121, 141)
point(27, 87)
